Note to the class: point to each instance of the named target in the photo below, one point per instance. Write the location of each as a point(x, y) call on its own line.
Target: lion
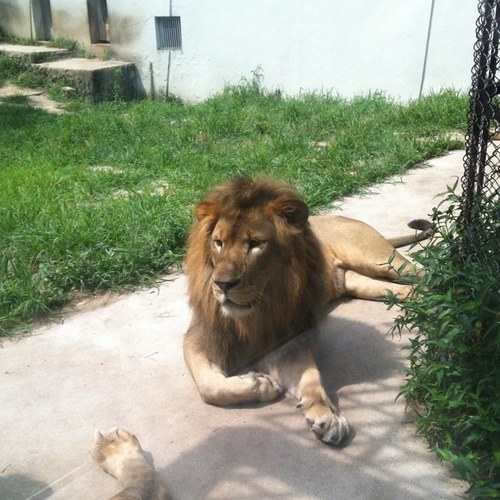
point(261, 271)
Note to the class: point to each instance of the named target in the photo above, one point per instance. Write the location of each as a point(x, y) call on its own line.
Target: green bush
point(453, 380)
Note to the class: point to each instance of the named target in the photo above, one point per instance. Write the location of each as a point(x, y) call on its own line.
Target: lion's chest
point(244, 347)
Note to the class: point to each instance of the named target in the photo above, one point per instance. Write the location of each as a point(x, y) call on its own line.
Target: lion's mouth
point(231, 307)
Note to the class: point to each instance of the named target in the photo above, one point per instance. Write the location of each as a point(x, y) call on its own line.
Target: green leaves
point(454, 353)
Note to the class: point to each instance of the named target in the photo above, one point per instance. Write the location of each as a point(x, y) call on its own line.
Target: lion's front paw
point(327, 423)
point(112, 448)
point(263, 386)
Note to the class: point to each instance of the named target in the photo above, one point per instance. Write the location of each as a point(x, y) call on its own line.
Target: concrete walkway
point(36, 98)
point(120, 364)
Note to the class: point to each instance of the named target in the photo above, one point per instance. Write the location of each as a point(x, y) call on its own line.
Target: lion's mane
point(293, 302)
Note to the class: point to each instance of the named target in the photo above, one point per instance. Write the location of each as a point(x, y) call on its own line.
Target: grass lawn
point(101, 198)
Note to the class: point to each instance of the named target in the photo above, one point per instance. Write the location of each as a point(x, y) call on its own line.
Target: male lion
point(260, 272)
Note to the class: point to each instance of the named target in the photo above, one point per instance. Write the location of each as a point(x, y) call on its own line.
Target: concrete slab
point(94, 79)
point(32, 53)
point(120, 364)
point(84, 64)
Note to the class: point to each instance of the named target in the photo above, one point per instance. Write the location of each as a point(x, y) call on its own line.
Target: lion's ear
point(294, 211)
point(205, 209)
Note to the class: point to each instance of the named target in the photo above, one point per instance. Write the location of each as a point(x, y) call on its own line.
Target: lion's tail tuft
point(425, 228)
point(421, 225)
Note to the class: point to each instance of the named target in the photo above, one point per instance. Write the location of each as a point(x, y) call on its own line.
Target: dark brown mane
point(293, 302)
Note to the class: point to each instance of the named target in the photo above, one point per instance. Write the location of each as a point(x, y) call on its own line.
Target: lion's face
point(255, 268)
point(245, 257)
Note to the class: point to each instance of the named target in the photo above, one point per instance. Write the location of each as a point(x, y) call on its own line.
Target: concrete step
point(93, 79)
point(32, 53)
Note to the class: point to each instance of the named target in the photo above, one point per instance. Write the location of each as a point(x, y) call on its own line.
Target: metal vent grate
point(168, 32)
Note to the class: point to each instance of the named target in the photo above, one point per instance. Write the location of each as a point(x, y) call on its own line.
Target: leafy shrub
point(453, 380)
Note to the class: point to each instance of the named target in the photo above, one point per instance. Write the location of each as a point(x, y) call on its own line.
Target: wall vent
point(168, 32)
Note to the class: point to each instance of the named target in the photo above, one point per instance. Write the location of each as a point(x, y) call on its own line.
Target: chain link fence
point(480, 211)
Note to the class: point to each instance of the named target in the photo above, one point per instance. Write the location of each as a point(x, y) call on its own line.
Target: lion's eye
point(254, 244)
point(218, 244)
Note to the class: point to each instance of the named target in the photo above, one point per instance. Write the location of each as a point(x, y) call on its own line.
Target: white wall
point(324, 45)
point(15, 18)
point(451, 45)
point(340, 46)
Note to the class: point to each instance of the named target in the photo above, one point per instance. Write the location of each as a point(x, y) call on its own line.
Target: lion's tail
point(425, 228)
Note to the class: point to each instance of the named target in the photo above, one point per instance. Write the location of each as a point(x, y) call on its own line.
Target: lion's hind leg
point(361, 248)
point(119, 453)
point(362, 287)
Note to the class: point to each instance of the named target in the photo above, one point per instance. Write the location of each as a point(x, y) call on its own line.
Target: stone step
point(93, 79)
point(32, 53)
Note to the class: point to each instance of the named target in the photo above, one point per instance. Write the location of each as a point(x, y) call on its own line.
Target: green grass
point(15, 99)
point(67, 227)
point(72, 46)
point(9, 69)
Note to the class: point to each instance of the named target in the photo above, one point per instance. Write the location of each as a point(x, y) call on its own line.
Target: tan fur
point(261, 272)
point(119, 453)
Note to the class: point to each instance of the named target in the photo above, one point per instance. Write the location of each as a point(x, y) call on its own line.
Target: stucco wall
point(15, 18)
point(70, 22)
point(331, 45)
point(325, 45)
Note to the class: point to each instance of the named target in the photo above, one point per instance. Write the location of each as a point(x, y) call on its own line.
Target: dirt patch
point(36, 98)
point(88, 302)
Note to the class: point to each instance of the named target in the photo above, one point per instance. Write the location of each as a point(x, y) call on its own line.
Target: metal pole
point(167, 90)
point(31, 19)
point(424, 68)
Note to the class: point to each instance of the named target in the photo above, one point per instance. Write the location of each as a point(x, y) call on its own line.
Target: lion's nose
point(225, 286)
